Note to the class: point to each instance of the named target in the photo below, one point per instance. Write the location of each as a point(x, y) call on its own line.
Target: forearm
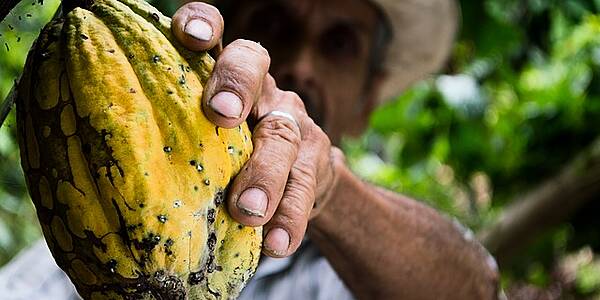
point(387, 246)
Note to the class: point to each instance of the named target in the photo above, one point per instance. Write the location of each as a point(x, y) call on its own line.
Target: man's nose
point(298, 74)
point(297, 71)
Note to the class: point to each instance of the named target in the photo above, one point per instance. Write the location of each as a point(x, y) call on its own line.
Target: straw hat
point(423, 31)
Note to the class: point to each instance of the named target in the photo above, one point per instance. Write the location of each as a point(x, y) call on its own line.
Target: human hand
point(290, 175)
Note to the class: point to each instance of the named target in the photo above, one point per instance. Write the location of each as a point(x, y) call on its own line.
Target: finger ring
point(283, 114)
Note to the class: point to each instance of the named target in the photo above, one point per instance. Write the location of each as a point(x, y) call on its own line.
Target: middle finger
point(258, 188)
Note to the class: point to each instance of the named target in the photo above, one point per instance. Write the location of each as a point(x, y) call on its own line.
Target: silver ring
point(283, 114)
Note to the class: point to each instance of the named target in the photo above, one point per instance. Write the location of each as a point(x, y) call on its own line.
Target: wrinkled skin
point(382, 245)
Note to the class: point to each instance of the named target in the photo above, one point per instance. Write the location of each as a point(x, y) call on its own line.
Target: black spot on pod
point(196, 278)
point(130, 56)
point(167, 149)
point(148, 243)
point(192, 162)
point(162, 218)
point(168, 244)
point(112, 266)
point(219, 197)
point(206, 182)
point(83, 36)
point(132, 228)
point(156, 58)
point(210, 216)
point(212, 241)
point(155, 17)
point(240, 226)
point(159, 276)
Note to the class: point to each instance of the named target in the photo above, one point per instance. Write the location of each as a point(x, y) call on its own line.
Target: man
point(341, 58)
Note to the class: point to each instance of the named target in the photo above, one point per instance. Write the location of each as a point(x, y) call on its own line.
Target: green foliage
point(18, 224)
point(521, 100)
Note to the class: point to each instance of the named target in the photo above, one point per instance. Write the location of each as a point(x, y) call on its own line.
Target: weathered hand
point(290, 174)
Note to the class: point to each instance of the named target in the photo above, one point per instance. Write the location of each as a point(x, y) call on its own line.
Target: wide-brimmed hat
point(423, 34)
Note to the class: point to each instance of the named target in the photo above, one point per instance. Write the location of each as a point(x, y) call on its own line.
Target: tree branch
point(548, 205)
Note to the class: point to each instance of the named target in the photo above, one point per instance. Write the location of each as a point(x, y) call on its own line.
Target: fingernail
point(199, 29)
point(253, 202)
point(227, 104)
point(277, 241)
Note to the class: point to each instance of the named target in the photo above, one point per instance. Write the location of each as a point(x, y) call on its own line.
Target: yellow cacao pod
point(127, 175)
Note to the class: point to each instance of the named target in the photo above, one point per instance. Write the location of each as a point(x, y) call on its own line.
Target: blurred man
point(340, 59)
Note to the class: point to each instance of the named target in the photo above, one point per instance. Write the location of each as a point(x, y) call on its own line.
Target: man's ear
point(373, 92)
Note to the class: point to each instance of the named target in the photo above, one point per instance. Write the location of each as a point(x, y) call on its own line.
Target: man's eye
point(340, 43)
point(269, 23)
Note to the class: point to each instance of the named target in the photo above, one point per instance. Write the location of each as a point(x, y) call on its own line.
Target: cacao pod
point(127, 175)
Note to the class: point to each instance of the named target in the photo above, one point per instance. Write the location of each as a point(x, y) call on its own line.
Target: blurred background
point(506, 140)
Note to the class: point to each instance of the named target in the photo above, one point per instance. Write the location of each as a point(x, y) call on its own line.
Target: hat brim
point(424, 31)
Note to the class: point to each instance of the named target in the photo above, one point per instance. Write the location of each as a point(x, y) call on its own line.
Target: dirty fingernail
point(277, 241)
point(199, 29)
point(227, 104)
point(253, 202)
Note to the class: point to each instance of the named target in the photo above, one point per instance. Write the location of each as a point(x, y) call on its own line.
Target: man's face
point(320, 50)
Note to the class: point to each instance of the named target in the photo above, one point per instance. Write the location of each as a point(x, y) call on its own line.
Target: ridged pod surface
point(127, 174)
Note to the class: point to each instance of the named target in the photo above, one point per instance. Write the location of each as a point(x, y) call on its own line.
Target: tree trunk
point(546, 206)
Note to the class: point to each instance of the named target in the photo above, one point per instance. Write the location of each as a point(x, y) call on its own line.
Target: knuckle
point(252, 48)
point(321, 137)
point(293, 212)
point(293, 99)
point(260, 172)
point(302, 178)
point(314, 134)
point(235, 76)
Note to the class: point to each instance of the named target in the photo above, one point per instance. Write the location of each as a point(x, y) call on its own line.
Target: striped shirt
point(33, 274)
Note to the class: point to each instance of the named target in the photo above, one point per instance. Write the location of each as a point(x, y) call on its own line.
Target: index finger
point(198, 26)
point(236, 84)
